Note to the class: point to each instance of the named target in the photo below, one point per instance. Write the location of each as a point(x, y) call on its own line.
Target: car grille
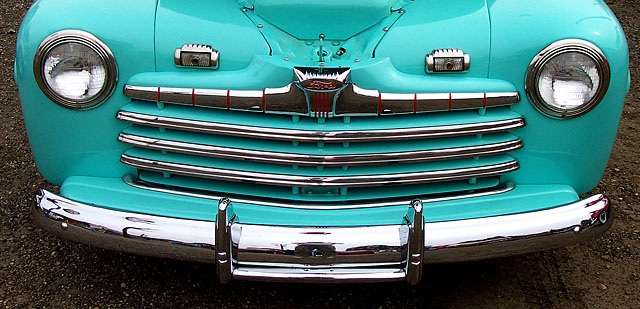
point(302, 158)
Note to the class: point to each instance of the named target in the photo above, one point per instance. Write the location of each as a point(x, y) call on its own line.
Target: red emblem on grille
point(321, 84)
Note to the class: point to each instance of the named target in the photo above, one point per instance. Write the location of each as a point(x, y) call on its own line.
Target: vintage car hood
point(336, 19)
point(242, 29)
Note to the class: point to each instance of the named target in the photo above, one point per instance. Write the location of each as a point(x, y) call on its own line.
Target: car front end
point(322, 142)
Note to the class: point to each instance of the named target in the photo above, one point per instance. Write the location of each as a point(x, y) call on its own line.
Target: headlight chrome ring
point(558, 48)
point(89, 41)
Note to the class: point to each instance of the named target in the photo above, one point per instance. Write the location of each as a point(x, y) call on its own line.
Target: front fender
point(573, 151)
point(65, 142)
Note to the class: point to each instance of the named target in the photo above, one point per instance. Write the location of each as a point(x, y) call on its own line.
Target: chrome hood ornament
point(321, 87)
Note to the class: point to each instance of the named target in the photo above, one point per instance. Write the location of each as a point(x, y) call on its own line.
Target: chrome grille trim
point(318, 181)
point(352, 100)
point(320, 136)
point(271, 202)
point(316, 160)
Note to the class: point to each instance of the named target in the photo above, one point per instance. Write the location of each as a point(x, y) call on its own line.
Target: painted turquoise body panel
point(336, 19)
point(434, 24)
point(560, 158)
point(571, 151)
point(114, 194)
point(206, 21)
point(66, 142)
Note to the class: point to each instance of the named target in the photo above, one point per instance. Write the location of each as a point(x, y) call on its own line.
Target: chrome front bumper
point(323, 254)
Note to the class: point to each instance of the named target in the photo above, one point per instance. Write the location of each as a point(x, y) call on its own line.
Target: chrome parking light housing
point(102, 67)
point(568, 48)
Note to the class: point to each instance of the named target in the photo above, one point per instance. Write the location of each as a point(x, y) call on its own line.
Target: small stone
point(11, 31)
point(616, 169)
point(602, 287)
point(123, 285)
point(606, 257)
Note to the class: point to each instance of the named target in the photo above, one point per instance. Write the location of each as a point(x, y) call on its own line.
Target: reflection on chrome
point(58, 212)
point(321, 136)
point(345, 100)
point(518, 233)
point(323, 254)
point(318, 181)
point(315, 160)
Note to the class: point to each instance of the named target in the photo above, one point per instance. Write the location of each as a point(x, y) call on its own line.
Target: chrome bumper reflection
point(323, 254)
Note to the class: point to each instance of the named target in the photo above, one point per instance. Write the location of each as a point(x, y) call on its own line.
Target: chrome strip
point(352, 100)
point(315, 160)
point(318, 181)
point(319, 276)
point(141, 184)
point(321, 136)
point(396, 264)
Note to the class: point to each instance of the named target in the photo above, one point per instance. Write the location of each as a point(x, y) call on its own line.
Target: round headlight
point(75, 69)
point(568, 78)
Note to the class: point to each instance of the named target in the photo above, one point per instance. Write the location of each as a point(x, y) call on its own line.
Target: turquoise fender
point(575, 151)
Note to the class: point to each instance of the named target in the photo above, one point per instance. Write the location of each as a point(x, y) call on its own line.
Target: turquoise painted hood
point(290, 29)
point(336, 19)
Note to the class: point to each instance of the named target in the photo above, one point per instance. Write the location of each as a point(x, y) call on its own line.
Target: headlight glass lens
point(75, 71)
point(568, 78)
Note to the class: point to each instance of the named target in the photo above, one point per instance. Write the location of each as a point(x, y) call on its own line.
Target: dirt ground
point(37, 270)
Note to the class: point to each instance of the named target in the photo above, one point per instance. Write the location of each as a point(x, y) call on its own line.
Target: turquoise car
point(322, 141)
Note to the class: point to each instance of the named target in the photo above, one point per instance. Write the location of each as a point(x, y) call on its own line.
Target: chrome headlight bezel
point(550, 52)
point(90, 41)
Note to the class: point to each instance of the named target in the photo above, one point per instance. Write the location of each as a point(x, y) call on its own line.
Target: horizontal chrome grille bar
point(315, 160)
point(318, 181)
point(352, 100)
point(321, 136)
point(271, 202)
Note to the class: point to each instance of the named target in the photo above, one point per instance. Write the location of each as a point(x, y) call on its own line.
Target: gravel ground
point(37, 270)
